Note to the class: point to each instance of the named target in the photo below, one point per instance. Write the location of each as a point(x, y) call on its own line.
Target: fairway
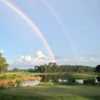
point(52, 93)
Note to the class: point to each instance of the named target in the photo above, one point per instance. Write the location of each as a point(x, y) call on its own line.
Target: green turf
point(14, 75)
point(51, 93)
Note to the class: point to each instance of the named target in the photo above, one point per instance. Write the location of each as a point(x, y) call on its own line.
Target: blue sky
point(71, 27)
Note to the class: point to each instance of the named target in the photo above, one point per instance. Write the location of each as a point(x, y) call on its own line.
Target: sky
point(67, 30)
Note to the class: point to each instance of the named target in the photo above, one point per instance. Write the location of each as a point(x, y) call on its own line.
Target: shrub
point(18, 83)
point(3, 77)
point(89, 82)
point(98, 79)
point(71, 81)
point(2, 87)
point(13, 76)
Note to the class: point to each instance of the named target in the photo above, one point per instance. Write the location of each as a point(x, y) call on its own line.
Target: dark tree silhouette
point(98, 78)
point(97, 69)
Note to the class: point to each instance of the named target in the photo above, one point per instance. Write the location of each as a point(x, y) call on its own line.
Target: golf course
point(51, 93)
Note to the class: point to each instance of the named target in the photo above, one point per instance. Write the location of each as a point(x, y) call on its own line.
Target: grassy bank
point(13, 75)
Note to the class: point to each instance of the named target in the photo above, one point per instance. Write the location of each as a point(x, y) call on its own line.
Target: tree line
point(54, 68)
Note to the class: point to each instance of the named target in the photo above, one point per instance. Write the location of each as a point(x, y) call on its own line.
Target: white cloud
point(40, 55)
point(1, 51)
point(41, 59)
point(29, 60)
point(53, 60)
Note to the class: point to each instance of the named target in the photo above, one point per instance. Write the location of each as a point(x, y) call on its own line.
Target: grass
point(13, 75)
point(82, 75)
point(51, 93)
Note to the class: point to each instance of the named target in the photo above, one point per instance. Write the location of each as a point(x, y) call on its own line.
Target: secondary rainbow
point(61, 25)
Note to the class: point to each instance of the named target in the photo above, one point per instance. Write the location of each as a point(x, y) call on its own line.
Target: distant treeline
point(53, 67)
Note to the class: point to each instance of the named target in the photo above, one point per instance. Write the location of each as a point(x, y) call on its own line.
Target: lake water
point(30, 83)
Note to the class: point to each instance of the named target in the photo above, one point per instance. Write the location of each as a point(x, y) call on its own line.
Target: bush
point(2, 87)
point(13, 76)
point(98, 79)
point(18, 83)
point(97, 69)
point(89, 82)
point(71, 81)
point(3, 77)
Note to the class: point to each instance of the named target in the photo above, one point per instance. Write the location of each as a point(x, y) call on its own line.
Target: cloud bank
point(28, 61)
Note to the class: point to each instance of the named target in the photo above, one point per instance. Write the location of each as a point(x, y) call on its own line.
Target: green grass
point(13, 75)
point(82, 75)
point(51, 93)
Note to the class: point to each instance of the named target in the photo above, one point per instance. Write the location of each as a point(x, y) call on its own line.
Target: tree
point(97, 69)
point(15, 69)
point(98, 79)
point(3, 64)
point(52, 68)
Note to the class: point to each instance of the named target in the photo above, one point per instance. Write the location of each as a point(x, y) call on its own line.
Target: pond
point(30, 83)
